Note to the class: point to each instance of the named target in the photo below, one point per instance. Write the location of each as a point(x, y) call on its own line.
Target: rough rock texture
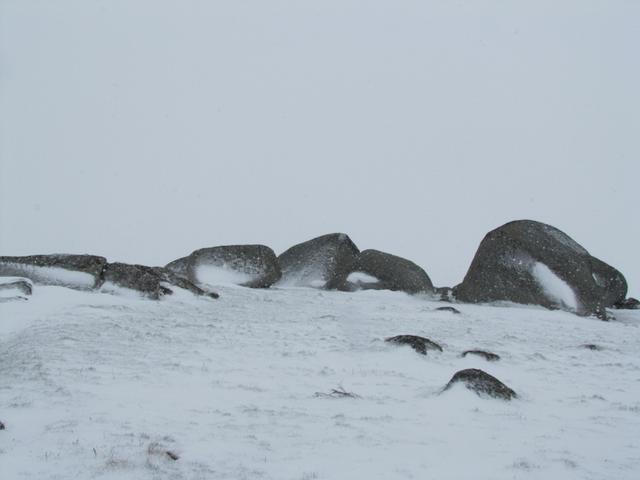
point(152, 282)
point(490, 357)
point(482, 383)
point(74, 271)
point(179, 267)
point(419, 344)
point(257, 265)
point(323, 262)
point(393, 273)
point(180, 281)
point(22, 286)
point(143, 279)
point(530, 262)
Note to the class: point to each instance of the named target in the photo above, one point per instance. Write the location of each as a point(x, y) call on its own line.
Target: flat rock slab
point(419, 344)
point(74, 271)
point(482, 384)
point(490, 357)
point(152, 282)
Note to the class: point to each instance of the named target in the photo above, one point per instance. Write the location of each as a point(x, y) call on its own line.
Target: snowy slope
point(100, 386)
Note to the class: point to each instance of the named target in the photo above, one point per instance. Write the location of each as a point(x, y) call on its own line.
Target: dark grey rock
point(448, 309)
point(419, 344)
point(482, 384)
point(592, 346)
point(23, 286)
point(73, 271)
point(2, 427)
point(152, 282)
point(392, 273)
point(323, 262)
point(511, 260)
point(179, 281)
point(143, 279)
point(490, 357)
point(628, 304)
point(179, 267)
point(257, 262)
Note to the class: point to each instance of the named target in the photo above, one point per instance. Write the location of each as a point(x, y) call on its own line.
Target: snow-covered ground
point(100, 386)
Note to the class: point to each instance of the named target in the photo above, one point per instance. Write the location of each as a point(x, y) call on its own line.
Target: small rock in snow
point(490, 357)
point(419, 344)
point(482, 384)
point(448, 309)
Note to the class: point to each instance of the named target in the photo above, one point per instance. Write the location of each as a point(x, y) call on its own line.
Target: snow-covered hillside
point(101, 386)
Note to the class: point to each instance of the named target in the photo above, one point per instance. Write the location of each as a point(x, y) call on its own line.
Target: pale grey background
point(142, 130)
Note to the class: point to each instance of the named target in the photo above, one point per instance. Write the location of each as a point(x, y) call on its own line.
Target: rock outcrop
point(74, 271)
point(323, 262)
point(530, 262)
point(254, 266)
point(388, 272)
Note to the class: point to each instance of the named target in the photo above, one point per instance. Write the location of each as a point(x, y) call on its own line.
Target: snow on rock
point(361, 277)
point(391, 273)
point(322, 262)
point(98, 386)
point(254, 266)
point(506, 267)
point(557, 290)
point(73, 271)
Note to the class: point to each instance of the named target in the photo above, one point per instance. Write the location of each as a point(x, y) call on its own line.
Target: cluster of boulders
point(90, 272)
point(476, 380)
point(524, 262)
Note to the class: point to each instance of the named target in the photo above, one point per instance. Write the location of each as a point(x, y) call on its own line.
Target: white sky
point(144, 130)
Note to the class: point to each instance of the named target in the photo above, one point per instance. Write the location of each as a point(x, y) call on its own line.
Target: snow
point(356, 277)
point(213, 275)
point(556, 289)
point(99, 386)
point(54, 275)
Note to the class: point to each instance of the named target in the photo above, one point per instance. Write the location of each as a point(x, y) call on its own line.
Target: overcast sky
point(142, 130)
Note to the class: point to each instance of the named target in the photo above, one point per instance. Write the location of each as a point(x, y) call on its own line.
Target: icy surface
point(556, 289)
point(55, 275)
point(362, 277)
point(99, 386)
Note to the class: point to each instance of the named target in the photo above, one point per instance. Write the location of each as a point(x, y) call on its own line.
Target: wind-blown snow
point(556, 289)
point(98, 386)
point(54, 275)
point(362, 277)
point(213, 275)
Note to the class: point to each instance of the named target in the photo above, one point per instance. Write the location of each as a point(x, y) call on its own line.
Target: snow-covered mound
point(300, 384)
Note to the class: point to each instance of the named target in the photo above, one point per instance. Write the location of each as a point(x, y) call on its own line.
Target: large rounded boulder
point(376, 270)
point(254, 266)
point(82, 272)
point(529, 262)
point(323, 262)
